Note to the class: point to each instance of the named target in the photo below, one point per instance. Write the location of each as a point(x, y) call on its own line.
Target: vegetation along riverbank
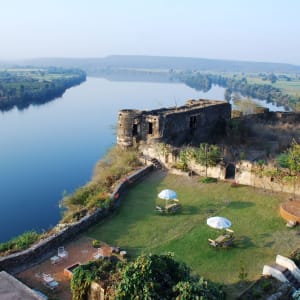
point(21, 87)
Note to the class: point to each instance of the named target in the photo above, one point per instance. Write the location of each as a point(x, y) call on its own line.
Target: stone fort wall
point(189, 124)
point(17, 262)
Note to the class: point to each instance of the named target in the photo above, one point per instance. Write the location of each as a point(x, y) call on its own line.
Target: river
point(48, 149)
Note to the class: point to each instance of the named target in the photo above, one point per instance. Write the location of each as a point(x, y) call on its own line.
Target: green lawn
point(259, 230)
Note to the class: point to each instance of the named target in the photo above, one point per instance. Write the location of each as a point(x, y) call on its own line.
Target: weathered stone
point(192, 123)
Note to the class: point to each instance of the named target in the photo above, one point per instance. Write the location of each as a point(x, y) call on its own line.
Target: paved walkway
point(79, 251)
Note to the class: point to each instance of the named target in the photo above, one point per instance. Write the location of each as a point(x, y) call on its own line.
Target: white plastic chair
point(62, 253)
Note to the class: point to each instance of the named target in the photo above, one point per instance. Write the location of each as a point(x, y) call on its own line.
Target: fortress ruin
point(192, 123)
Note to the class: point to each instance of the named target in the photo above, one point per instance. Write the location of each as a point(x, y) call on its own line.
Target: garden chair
point(159, 209)
point(212, 243)
point(49, 281)
point(55, 259)
point(62, 253)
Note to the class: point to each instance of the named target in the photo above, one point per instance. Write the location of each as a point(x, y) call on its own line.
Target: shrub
point(96, 243)
point(114, 165)
point(19, 243)
point(295, 256)
point(181, 166)
point(161, 277)
point(208, 180)
point(95, 194)
point(105, 270)
point(266, 285)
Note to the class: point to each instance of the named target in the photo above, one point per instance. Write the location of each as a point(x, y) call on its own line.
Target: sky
point(249, 30)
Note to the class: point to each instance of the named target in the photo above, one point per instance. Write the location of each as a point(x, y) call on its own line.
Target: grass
point(289, 87)
point(260, 232)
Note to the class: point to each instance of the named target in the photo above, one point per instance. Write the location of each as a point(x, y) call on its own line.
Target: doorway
point(230, 171)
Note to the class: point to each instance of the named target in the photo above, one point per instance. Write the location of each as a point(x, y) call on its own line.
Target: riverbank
point(21, 87)
point(17, 262)
point(52, 148)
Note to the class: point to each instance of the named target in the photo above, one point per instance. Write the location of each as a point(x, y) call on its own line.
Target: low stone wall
point(243, 171)
point(20, 261)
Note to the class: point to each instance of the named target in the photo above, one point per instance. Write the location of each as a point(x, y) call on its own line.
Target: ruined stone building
point(192, 123)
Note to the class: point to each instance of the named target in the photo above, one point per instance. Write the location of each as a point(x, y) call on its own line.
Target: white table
point(55, 259)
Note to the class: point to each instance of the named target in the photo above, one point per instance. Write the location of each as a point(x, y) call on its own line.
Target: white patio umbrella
point(218, 222)
point(167, 195)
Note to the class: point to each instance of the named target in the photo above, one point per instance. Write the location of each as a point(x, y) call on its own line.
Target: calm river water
point(48, 149)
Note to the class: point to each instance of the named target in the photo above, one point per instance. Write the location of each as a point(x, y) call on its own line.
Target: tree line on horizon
point(204, 81)
point(21, 87)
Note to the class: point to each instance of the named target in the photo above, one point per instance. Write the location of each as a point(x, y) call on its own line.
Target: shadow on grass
point(137, 204)
point(207, 209)
point(190, 210)
point(243, 242)
point(240, 204)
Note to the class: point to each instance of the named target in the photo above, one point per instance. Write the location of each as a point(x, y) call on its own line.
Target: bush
point(95, 194)
point(181, 166)
point(105, 270)
point(96, 243)
point(295, 256)
point(208, 180)
point(19, 243)
point(114, 165)
point(161, 277)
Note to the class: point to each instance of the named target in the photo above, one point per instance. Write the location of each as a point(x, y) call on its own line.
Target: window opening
point(193, 122)
point(134, 129)
point(150, 128)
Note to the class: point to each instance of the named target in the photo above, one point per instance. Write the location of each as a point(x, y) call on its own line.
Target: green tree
point(183, 160)
point(282, 160)
point(290, 160)
point(294, 162)
point(161, 277)
point(277, 174)
point(208, 155)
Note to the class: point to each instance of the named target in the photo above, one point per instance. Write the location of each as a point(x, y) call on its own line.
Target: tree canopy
point(161, 277)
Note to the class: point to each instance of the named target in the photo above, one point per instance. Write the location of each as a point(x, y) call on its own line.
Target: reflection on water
point(48, 149)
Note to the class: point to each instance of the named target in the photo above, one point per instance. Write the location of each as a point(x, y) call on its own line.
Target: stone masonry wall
point(189, 124)
point(177, 128)
point(243, 171)
point(18, 262)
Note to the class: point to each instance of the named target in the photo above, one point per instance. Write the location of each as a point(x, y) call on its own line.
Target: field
point(288, 87)
point(259, 230)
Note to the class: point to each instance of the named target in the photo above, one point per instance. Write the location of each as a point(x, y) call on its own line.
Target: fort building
point(192, 123)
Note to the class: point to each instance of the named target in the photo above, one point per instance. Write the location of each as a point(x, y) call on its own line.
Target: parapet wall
point(17, 262)
point(243, 171)
point(273, 117)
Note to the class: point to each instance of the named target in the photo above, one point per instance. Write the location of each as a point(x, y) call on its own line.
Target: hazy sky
point(255, 30)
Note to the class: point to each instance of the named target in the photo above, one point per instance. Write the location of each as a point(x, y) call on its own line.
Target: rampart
point(19, 261)
point(192, 123)
point(270, 117)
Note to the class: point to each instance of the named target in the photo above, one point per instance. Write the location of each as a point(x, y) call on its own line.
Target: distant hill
point(93, 65)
